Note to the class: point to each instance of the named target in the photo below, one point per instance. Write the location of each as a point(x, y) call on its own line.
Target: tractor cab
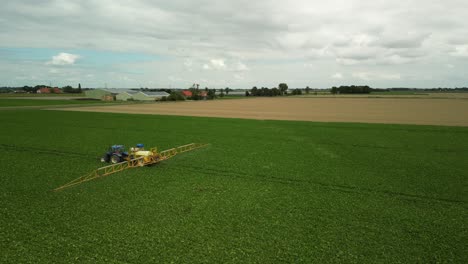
point(117, 149)
point(115, 154)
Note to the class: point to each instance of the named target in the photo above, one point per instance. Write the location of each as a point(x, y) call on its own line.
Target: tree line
point(265, 91)
point(34, 89)
point(280, 91)
point(353, 89)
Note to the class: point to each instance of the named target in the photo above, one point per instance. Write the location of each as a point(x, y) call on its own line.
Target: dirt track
point(451, 112)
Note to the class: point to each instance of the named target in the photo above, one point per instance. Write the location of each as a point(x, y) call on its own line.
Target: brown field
point(450, 112)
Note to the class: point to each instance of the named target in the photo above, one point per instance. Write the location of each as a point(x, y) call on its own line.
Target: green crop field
point(41, 95)
point(43, 102)
point(261, 192)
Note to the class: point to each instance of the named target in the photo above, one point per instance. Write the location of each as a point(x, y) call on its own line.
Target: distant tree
point(353, 89)
point(227, 90)
point(254, 91)
point(275, 92)
point(221, 92)
point(334, 90)
point(195, 94)
point(29, 89)
point(297, 92)
point(247, 93)
point(67, 89)
point(283, 87)
point(307, 90)
point(79, 88)
point(175, 96)
point(211, 94)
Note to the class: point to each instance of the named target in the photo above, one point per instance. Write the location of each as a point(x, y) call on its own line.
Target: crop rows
point(263, 191)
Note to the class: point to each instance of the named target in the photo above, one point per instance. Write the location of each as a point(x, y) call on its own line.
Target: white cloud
point(337, 76)
point(217, 64)
point(188, 63)
point(221, 64)
point(174, 78)
point(362, 75)
point(460, 51)
point(415, 37)
point(241, 67)
point(238, 76)
point(63, 59)
point(369, 76)
point(343, 61)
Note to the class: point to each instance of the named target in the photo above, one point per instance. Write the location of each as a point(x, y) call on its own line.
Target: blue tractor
point(115, 154)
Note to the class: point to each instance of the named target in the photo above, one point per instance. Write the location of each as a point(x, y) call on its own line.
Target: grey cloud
point(356, 33)
point(399, 40)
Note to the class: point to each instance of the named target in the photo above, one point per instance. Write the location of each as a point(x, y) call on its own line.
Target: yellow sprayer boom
point(151, 157)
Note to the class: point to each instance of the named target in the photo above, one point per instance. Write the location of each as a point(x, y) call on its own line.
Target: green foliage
point(297, 92)
point(264, 91)
point(283, 87)
point(175, 96)
point(30, 89)
point(321, 192)
point(69, 89)
point(195, 94)
point(353, 89)
point(211, 94)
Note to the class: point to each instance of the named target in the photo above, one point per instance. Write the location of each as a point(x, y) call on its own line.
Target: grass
point(41, 95)
point(263, 191)
point(45, 102)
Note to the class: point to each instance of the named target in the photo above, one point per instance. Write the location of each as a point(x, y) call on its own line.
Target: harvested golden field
point(450, 112)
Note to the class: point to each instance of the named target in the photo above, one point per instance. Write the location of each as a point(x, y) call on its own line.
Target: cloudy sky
point(235, 43)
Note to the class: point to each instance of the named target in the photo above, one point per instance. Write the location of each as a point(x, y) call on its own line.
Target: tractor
point(115, 154)
point(137, 157)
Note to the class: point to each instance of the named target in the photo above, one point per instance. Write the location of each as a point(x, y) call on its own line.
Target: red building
point(46, 90)
point(187, 93)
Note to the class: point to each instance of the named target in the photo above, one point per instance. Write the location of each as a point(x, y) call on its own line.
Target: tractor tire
point(105, 158)
point(115, 159)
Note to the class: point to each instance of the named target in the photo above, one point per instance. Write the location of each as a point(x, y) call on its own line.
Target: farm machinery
point(117, 154)
point(121, 159)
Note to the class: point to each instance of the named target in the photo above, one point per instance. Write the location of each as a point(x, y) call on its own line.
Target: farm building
point(46, 90)
point(187, 93)
point(149, 96)
point(126, 95)
point(104, 94)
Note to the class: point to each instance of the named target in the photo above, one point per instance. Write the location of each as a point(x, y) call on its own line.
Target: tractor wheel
point(105, 158)
point(115, 159)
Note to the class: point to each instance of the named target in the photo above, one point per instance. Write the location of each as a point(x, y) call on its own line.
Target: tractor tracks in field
point(330, 186)
point(55, 152)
